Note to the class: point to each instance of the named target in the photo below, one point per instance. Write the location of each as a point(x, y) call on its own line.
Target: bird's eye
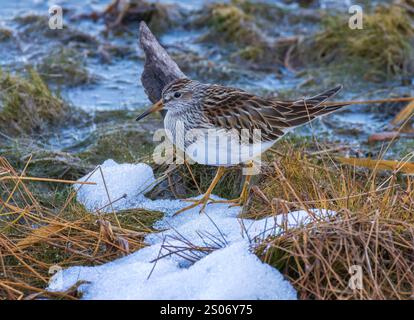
point(177, 94)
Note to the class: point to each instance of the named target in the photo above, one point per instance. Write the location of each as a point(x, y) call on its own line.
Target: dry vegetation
point(374, 225)
point(373, 228)
point(34, 237)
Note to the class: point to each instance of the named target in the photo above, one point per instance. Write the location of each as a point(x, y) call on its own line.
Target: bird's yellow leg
point(241, 200)
point(204, 200)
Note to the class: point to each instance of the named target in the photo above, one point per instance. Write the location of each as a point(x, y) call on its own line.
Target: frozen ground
point(226, 269)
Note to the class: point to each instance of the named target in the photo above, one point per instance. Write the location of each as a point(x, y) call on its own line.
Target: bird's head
point(177, 96)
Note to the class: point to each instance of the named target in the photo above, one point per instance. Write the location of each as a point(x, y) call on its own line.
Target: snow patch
point(230, 271)
point(118, 180)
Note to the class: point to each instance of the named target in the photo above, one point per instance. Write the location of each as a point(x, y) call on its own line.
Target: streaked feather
point(229, 108)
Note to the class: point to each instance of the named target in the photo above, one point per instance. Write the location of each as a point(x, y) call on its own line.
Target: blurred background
point(69, 96)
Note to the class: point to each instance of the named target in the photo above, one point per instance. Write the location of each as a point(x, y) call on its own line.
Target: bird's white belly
point(223, 149)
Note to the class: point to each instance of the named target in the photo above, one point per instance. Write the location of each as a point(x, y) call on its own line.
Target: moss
point(262, 11)
point(64, 66)
point(120, 115)
point(56, 164)
point(5, 34)
point(251, 53)
point(230, 24)
point(384, 44)
point(244, 25)
point(32, 20)
point(137, 219)
point(120, 143)
point(28, 106)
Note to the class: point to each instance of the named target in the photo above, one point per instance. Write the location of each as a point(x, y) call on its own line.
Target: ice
point(229, 271)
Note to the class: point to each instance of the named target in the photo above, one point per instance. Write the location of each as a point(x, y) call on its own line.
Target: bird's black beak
point(156, 107)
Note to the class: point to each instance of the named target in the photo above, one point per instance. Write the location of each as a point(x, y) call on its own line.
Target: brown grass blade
point(46, 180)
point(39, 234)
point(404, 114)
point(394, 165)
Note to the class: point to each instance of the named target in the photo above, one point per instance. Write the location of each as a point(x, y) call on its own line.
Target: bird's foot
point(196, 202)
point(238, 202)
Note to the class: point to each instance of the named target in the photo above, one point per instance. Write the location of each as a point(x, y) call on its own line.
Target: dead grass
point(373, 229)
point(320, 181)
point(317, 259)
point(35, 238)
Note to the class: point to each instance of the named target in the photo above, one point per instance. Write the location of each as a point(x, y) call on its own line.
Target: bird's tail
point(307, 109)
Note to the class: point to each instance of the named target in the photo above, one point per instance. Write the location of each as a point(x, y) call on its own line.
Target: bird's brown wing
point(231, 108)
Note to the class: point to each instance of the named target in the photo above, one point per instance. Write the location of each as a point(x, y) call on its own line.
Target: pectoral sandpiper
point(205, 115)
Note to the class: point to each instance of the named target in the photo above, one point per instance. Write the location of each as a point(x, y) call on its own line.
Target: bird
point(224, 126)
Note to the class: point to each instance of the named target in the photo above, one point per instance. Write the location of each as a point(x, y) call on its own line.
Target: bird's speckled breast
point(207, 145)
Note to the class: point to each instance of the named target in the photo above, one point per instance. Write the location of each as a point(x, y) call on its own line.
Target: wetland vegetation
point(69, 98)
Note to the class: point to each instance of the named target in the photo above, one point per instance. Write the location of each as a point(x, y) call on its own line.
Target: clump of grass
point(245, 26)
point(158, 16)
point(319, 258)
point(5, 34)
point(384, 45)
point(264, 12)
point(27, 105)
point(34, 238)
point(229, 23)
point(232, 23)
point(373, 226)
point(64, 66)
point(318, 181)
point(251, 53)
point(37, 25)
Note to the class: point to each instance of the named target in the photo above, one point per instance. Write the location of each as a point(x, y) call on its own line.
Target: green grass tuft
point(64, 66)
point(385, 44)
point(27, 105)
